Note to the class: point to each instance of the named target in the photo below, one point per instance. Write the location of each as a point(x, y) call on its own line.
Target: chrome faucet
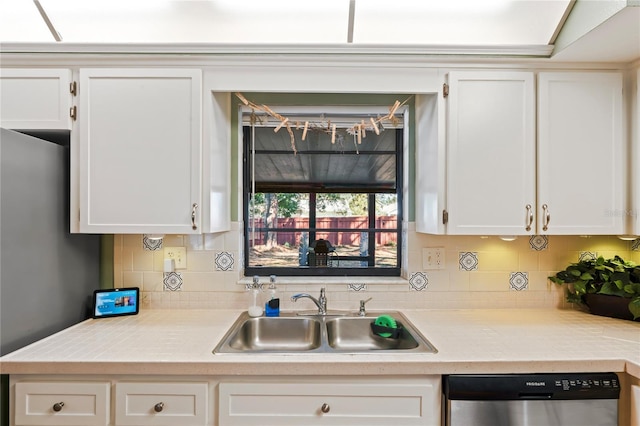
point(321, 303)
point(363, 312)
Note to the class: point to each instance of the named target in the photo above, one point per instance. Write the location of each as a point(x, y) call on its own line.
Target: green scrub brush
point(386, 326)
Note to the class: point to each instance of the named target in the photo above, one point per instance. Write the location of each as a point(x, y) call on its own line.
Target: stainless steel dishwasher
point(555, 399)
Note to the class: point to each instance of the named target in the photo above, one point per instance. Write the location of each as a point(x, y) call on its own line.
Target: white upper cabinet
point(582, 179)
point(140, 151)
point(35, 99)
point(490, 175)
point(499, 181)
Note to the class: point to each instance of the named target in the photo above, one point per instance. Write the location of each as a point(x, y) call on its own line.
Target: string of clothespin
point(358, 130)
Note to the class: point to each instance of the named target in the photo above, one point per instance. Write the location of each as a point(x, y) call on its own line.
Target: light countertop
point(180, 342)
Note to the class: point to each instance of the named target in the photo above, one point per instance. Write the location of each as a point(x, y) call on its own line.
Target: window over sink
point(323, 190)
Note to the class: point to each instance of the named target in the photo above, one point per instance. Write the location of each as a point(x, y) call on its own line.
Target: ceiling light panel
point(200, 21)
point(21, 21)
point(458, 22)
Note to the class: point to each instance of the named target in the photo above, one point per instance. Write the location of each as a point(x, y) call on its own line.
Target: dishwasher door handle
point(525, 395)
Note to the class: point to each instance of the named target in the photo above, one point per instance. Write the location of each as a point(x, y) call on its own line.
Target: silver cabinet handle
point(325, 408)
point(530, 217)
point(194, 207)
point(547, 217)
point(58, 406)
point(158, 407)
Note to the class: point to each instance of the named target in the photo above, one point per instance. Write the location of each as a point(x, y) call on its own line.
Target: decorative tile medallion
point(356, 287)
point(418, 281)
point(635, 244)
point(519, 281)
point(149, 244)
point(468, 260)
point(587, 255)
point(539, 242)
point(224, 261)
point(172, 281)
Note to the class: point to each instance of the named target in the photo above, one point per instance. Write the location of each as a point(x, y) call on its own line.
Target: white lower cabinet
point(331, 402)
point(161, 404)
point(103, 400)
point(62, 403)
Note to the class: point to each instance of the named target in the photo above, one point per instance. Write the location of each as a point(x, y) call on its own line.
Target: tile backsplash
point(477, 272)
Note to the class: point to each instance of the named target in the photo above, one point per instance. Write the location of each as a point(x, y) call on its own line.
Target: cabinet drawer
point(328, 404)
point(166, 404)
point(62, 403)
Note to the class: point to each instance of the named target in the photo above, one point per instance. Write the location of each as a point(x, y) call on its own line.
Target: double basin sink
point(291, 333)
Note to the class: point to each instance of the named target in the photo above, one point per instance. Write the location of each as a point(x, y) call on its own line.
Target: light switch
point(178, 254)
point(169, 265)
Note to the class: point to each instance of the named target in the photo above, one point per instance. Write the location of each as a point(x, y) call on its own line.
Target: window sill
point(328, 280)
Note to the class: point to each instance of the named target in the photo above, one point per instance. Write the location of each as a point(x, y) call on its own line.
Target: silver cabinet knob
point(58, 406)
point(546, 218)
point(325, 408)
point(194, 207)
point(158, 407)
point(529, 217)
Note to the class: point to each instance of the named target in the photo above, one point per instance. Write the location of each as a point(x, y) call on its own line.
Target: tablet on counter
point(116, 302)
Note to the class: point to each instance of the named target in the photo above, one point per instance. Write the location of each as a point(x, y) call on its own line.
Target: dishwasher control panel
point(560, 386)
point(576, 384)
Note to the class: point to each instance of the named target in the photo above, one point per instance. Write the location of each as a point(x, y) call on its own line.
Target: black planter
point(608, 306)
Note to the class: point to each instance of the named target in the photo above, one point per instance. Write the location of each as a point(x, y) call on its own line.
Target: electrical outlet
point(178, 254)
point(432, 258)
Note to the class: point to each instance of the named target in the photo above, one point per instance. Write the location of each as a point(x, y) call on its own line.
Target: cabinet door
point(581, 153)
point(35, 99)
point(491, 153)
point(62, 403)
point(140, 150)
point(380, 403)
point(161, 404)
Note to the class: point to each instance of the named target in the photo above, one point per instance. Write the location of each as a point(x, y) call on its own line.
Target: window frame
point(400, 143)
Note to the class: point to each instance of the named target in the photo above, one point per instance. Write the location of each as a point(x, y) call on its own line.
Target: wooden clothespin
point(282, 123)
point(375, 126)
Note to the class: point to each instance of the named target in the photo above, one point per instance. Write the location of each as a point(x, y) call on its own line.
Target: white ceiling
point(407, 22)
point(615, 40)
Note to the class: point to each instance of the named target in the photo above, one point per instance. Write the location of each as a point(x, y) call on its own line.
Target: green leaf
point(619, 284)
point(574, 272)
point(580, 287)
point(609, 288)
point(634, 307)
point(633, 288)
point(586, 276)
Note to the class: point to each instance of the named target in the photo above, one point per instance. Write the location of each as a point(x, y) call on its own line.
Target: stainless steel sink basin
point(274, 334)
point(291, 333)
point(354, 334)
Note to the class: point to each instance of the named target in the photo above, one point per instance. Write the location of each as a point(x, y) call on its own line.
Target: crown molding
point(527, 51)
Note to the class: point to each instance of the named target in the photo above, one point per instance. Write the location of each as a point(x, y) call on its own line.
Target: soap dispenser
point(255, 310)
point(272, 306)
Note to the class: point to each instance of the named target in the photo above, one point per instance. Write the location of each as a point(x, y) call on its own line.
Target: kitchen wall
point(479, 273)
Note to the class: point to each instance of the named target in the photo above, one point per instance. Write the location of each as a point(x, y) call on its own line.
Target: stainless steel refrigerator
point(47, 275)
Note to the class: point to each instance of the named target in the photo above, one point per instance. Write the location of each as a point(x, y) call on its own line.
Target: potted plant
point(602, 284)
